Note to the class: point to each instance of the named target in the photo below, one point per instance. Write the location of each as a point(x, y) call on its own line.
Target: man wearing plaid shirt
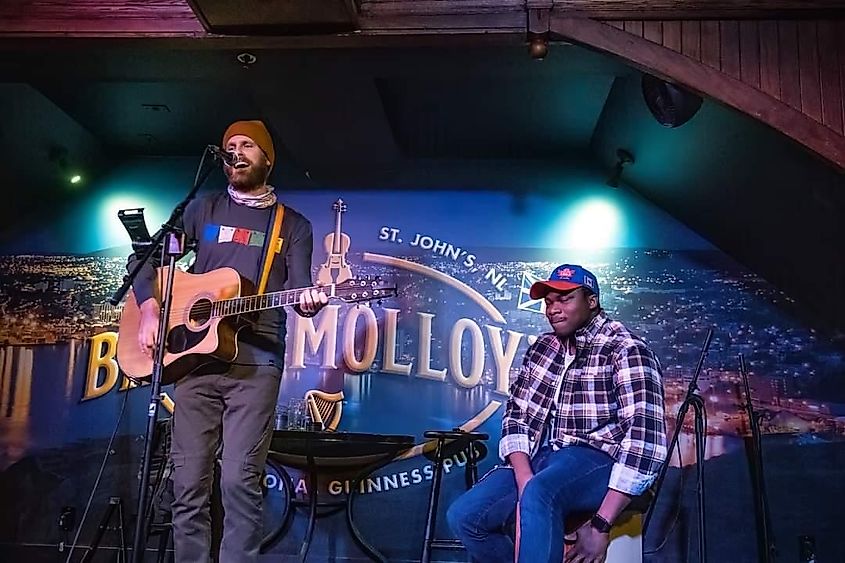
point(583, 431)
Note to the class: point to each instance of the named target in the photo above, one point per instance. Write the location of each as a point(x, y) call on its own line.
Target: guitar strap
point(272, 246)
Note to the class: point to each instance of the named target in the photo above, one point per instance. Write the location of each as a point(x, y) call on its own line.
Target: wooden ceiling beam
point(467, 10)
point(700, 9)
point(169, 18)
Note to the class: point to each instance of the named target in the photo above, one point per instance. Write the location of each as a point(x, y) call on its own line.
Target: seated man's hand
point(590, 546)
point(311, 301)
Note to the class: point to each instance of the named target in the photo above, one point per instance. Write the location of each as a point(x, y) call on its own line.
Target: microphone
point(228, 157)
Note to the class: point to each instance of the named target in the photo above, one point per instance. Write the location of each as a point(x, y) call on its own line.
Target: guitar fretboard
point(252, 303)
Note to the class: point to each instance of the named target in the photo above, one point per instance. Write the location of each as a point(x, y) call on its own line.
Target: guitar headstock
point(358, 290)
point(339, 206)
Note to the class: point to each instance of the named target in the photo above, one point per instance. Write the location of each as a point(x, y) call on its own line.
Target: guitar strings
point(209, 306)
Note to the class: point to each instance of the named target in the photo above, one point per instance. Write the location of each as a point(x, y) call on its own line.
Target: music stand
point(170, 240)
point(135, 224)
point(694, 400)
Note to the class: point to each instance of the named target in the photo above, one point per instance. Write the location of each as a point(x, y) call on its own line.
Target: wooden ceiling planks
point(796, 118)
point(798, 62)
point(57, 18)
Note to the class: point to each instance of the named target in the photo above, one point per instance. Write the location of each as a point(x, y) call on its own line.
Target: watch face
point(600, 524)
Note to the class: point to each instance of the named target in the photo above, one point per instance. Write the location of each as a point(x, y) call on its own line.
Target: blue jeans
point(572, 479)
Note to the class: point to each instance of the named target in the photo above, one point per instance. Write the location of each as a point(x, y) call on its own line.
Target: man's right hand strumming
point(148, 328)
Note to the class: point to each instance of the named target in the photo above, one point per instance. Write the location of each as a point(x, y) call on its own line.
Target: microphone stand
point(765, 543)
point(694, 400)
point(173, 249)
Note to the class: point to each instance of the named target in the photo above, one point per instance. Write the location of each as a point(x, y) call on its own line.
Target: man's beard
point(245, 180)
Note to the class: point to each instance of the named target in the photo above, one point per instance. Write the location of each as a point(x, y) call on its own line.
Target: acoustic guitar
point(208, 311)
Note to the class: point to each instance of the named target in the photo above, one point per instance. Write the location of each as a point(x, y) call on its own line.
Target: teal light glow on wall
point(589, 221)
point(593, 223)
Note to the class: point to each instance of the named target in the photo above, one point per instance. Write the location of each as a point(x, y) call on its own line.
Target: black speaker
point(671, 105)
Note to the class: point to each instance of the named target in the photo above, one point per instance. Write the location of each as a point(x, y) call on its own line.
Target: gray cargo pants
point(230, 414)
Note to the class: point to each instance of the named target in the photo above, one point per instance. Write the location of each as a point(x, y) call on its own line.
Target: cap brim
point(541, 288)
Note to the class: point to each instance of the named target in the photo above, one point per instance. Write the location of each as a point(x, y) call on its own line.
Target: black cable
point(99, 476)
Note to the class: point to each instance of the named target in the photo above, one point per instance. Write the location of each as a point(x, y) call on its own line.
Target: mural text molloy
point(353, 336)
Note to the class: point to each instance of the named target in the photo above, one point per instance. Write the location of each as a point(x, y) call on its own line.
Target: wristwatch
point(600, 524)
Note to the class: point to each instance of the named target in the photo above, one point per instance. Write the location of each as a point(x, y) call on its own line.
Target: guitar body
point(196, 341)
point(208, 311)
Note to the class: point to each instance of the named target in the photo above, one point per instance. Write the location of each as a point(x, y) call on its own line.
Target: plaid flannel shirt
point(610, 398)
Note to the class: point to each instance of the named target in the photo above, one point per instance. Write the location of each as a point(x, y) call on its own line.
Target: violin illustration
point(336, 269)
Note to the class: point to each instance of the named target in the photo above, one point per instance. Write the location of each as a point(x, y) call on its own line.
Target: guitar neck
point(253, 303)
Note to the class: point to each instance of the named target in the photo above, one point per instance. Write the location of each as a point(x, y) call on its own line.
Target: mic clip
point(228, 158)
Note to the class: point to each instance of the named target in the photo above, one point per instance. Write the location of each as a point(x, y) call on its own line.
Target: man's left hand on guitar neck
point(310, 302)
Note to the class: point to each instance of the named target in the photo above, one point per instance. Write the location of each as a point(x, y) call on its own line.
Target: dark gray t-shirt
point(227, 234)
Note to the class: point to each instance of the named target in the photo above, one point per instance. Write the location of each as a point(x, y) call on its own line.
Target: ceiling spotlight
point(246, 59)
point(75, 179)
point(623, 157)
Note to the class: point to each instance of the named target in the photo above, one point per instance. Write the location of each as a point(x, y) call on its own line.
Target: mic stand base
point(695, 401)
point(700, 451)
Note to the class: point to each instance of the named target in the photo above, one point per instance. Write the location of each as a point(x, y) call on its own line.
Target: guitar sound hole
point(200, 313)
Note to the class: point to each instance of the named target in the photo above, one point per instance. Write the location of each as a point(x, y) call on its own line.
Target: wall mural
point(438, 355)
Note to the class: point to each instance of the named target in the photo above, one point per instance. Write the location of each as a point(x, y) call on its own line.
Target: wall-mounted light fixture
point(623, 157)
point(538, 46)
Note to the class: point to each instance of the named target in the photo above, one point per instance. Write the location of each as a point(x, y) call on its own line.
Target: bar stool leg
point(431, 517)
point(163, 542)
point(471, 473)
point(312, 511)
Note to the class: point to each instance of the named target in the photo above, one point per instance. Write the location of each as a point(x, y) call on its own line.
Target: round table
point(325, 453)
